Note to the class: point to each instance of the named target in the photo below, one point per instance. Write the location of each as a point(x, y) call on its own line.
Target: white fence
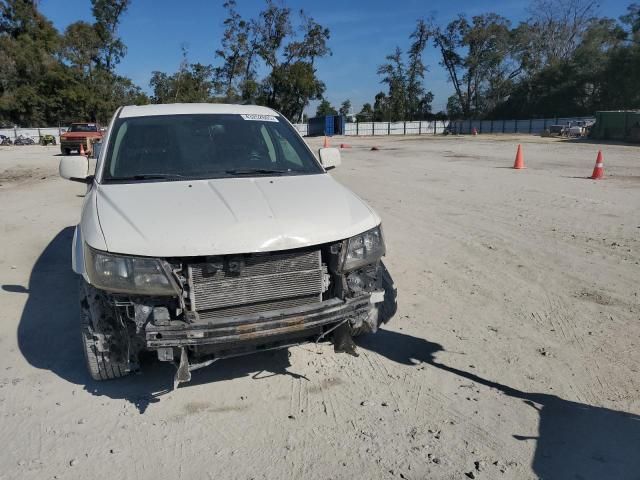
point(302, 128)
point(396, 128)
point(532, 125)
point(34, 133)
point(387, 128)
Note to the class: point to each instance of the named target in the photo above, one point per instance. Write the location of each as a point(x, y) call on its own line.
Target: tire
point(386, 309)
point(66, 151)
point(102, 365)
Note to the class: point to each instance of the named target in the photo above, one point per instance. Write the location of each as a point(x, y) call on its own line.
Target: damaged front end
point(203, 309)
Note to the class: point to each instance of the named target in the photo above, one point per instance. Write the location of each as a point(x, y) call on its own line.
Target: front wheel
point(105, 347)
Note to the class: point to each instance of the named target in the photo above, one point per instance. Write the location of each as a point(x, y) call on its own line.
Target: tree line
point(48, 77)
point(563, 60)
point(284, 45)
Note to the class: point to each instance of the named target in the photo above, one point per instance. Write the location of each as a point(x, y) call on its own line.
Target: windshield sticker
point(259, 118)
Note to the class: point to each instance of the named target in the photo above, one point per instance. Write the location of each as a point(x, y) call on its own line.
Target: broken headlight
point(364, 249)
point(126, 274)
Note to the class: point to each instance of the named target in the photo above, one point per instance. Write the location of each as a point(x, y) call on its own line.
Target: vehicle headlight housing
point(128, 274)
point(363, 249)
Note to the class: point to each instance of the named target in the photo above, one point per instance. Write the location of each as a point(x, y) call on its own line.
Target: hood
point(227, 216)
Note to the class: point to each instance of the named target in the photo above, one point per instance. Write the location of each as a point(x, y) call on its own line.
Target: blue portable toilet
point(327, 125)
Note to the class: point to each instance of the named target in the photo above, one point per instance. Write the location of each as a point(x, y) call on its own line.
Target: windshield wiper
point(149, 176)
point(252, 171)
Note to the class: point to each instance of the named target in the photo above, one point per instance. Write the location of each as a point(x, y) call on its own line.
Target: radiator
point(241, 284)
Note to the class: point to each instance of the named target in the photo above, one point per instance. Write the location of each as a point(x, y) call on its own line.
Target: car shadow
point(575, 440)
point(49, 337)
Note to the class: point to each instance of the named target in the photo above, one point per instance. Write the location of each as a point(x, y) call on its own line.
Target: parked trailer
point(617, 125)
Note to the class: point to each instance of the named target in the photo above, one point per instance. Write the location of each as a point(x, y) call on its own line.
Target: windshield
point(176, 147)
point(83, 127)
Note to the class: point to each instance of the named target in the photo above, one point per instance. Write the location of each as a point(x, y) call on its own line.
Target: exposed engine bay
point(233, 305)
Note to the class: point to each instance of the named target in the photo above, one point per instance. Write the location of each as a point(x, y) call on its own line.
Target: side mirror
point(75, 168)
point(329, 157)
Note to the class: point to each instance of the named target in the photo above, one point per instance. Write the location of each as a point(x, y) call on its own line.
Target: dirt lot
point(514, 354)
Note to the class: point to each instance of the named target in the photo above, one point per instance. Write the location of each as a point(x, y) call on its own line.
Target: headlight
point(364, 249)
point(126, 274)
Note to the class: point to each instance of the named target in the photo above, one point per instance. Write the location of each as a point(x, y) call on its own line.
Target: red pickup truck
point(85, 134)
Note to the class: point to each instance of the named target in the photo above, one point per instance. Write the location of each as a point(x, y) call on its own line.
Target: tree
point(92, 51)
point(394, 76)
point(81, 47)
point(366, 113)
point(192, 83)
point(290, 87)
point(47, 78)
point(236, 54)
point(553, 31)
point(29, 68)
point(345, 108)
point(296, 57)
point(325, 108)
point(594, 78)
point(270, 42)
point(474, 55)
point(380, 107)
point(417, 101)
point(632, 20)
point(423, 110)
point(406, 98)
point(107, 14)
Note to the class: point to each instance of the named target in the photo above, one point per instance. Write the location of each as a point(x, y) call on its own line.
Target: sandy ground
point(514, 353)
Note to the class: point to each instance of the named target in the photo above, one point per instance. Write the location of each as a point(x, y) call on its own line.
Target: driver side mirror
point(75, 169)
point(329, 157)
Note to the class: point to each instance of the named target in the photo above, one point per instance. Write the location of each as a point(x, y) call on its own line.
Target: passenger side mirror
point(329, 157)
point(75, 168)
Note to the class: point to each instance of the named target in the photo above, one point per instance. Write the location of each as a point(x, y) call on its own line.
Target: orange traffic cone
point(326, 142)
point(519, 163)
point(598, 170)
point(82, 149)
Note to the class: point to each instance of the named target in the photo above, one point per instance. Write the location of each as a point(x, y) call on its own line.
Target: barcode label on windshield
point(260, 118)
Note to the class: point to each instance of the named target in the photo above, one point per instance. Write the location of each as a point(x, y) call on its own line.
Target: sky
point(362, 33)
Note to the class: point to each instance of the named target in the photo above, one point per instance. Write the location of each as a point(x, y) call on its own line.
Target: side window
point(290, 155)
point(267, 140)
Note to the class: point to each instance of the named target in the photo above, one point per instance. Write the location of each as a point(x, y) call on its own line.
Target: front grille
point(239, 285)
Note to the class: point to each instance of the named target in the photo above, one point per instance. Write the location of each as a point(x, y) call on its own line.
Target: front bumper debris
point(303, 321)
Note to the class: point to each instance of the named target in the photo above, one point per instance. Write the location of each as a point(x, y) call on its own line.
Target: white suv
point(210, 231)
